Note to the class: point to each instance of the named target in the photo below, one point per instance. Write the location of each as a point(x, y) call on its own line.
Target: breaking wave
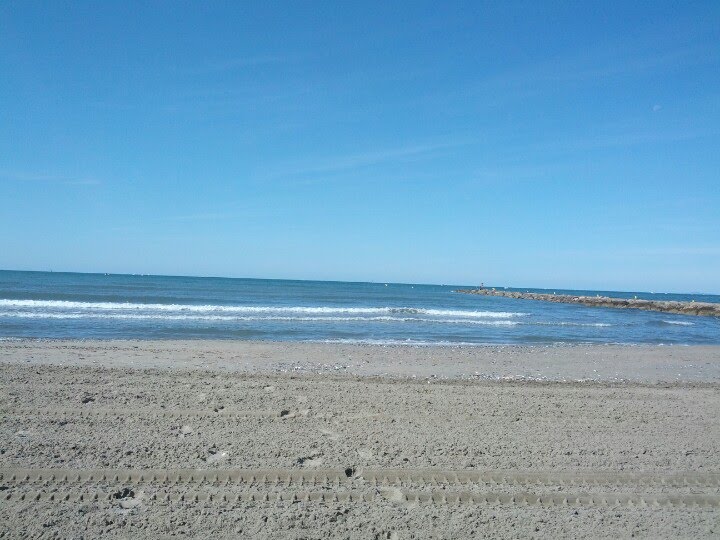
point(85, 307)
point(230, 318)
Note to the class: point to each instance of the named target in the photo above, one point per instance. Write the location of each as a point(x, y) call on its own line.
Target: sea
point(60, 305)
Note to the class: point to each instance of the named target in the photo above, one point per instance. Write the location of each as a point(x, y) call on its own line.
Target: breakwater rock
point(686, 308)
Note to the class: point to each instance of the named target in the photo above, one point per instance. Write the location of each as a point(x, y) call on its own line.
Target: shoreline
point(703, 309)
point(601, 363)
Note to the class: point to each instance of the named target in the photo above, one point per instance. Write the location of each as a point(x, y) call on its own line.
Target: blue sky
point(558, 144)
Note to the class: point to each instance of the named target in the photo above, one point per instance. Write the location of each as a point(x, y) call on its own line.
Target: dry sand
point(272, 440)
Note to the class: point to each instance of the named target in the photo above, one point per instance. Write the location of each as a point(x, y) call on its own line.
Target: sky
point(538, 144)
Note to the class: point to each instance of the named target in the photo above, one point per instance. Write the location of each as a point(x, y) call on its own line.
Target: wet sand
point(228, 439)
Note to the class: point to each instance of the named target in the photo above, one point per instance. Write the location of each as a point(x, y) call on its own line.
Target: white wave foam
point(679, 323)
point(566, 323)
point(119, 306)
point(230, 318)
point(400, 342)
point(287, 315)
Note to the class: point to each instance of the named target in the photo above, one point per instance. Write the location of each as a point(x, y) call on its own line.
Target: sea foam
point(239, 318)
point(213, 308)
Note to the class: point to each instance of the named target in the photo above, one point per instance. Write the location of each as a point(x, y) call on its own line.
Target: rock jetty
point(685, 308)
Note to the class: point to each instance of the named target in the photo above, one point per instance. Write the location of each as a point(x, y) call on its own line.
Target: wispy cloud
point(635, 253)
point(228, 211)
point(50, 178)
point(350, 162)
point(203, 216)
point(608, 136)
point(234, 63)
point(595, 65)
point(709, 251)
point(628, 138)
point(518, 83)
point(83, 182)
point(238, 63)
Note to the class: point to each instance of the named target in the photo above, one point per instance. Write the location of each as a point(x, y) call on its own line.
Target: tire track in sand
point(369, 476)
point(395, 496)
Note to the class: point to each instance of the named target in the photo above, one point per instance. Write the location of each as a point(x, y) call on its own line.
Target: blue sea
point(102, 306)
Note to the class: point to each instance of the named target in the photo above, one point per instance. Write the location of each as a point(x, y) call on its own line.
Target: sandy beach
point(159, 439)
point(359, 270)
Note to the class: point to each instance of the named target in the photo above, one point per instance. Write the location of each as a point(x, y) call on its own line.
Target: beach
point(154, 439)
point(367, 270)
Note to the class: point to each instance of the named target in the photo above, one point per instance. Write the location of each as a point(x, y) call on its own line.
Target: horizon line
point(136, 274)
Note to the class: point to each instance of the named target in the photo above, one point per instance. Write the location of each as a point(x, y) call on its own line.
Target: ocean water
point(98, 306)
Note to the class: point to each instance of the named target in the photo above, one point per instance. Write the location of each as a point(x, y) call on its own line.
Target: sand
point(272, 440)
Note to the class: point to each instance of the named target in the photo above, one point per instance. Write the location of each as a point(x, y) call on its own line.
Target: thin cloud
point(202, 216)
point(616, 138)
point(522, 82)
point(50, 178)
point(350, 162)
point(709, 251)
point(83, 182)
point(637, 138)
point(237, 63)
point(634, 253)
point(225, 212)
point(591, 67)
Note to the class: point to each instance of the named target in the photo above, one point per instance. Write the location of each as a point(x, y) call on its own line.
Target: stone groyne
point(685, 308)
